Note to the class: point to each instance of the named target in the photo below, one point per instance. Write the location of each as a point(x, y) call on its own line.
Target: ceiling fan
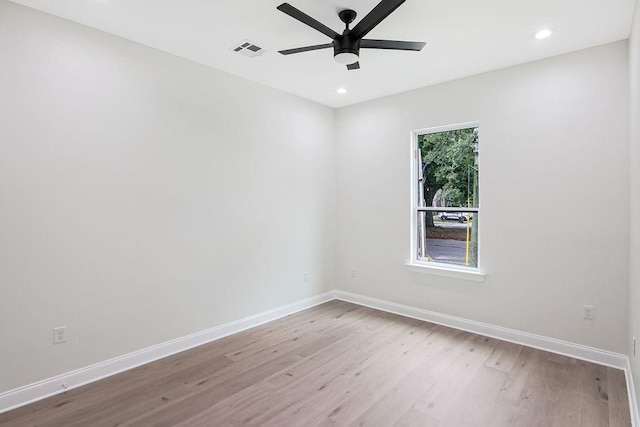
point(346, 46)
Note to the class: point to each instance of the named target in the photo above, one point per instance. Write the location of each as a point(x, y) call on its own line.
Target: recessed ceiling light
point(543, 34)
point(341, 90)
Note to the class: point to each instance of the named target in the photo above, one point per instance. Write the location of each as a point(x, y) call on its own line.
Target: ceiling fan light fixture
point(346, 58)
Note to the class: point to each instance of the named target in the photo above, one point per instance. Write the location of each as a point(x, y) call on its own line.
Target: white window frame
point(432, 267)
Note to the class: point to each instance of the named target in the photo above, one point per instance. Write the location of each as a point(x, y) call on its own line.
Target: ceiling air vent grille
point(248, 48)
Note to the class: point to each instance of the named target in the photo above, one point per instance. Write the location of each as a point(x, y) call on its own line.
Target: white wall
point(554, 194)
point(144, 197)
point(634, 282)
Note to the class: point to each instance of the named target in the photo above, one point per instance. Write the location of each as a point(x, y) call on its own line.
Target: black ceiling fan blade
point(354, 66)
point(373, 18)
point(306, 19)
point(391, 44)
point(305, 48)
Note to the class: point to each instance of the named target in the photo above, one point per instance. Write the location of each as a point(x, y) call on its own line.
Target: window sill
point(446, 271)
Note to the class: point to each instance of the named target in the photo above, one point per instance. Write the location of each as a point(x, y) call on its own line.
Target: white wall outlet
point(306, 276)
point(353, 272)
point(59, 334)
point(589, 312)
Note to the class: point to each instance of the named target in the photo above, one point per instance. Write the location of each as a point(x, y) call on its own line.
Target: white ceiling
point(464, 37)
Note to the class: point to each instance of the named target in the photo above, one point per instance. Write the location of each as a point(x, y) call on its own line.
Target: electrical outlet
point(353, 272)
point(59, 334)
point(306, 276)
point(589, 312)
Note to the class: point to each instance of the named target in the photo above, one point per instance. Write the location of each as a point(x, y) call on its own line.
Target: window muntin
point(446, 196)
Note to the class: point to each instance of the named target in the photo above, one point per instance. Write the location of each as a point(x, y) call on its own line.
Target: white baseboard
point(24, 395)
point(631, 392)
point(49, 387)
point(577, 351)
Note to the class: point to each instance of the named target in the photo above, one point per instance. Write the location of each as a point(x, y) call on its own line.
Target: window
point(445, 197)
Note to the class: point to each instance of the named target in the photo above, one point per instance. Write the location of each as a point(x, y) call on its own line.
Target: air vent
point(248, 48)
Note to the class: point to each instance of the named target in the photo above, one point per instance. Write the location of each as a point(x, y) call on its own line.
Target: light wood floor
point(340, 364)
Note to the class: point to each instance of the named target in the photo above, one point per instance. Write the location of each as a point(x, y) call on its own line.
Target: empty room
point(347, 213)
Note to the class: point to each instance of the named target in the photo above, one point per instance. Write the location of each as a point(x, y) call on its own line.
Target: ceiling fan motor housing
point(346, 45)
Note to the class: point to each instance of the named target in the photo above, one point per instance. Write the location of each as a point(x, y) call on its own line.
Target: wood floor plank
point(618, 398)
point(274, 337)
point(375, 381)
point(453, 374)
point(516, 388)
point(592, 380)
point(215, 390)
point(594, 412)
point(504, 356)
point(339, 364)
point(240, 375)
point(400, 398)
point(174, 412)
point(552, 390)
point(324, 390)
point(478, 400)
point(416, 418)
point(297, 373)
point(365, 338)
point(374, 324)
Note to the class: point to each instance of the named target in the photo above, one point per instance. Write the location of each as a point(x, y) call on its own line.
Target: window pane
point(449, 168)
point(452, 239)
